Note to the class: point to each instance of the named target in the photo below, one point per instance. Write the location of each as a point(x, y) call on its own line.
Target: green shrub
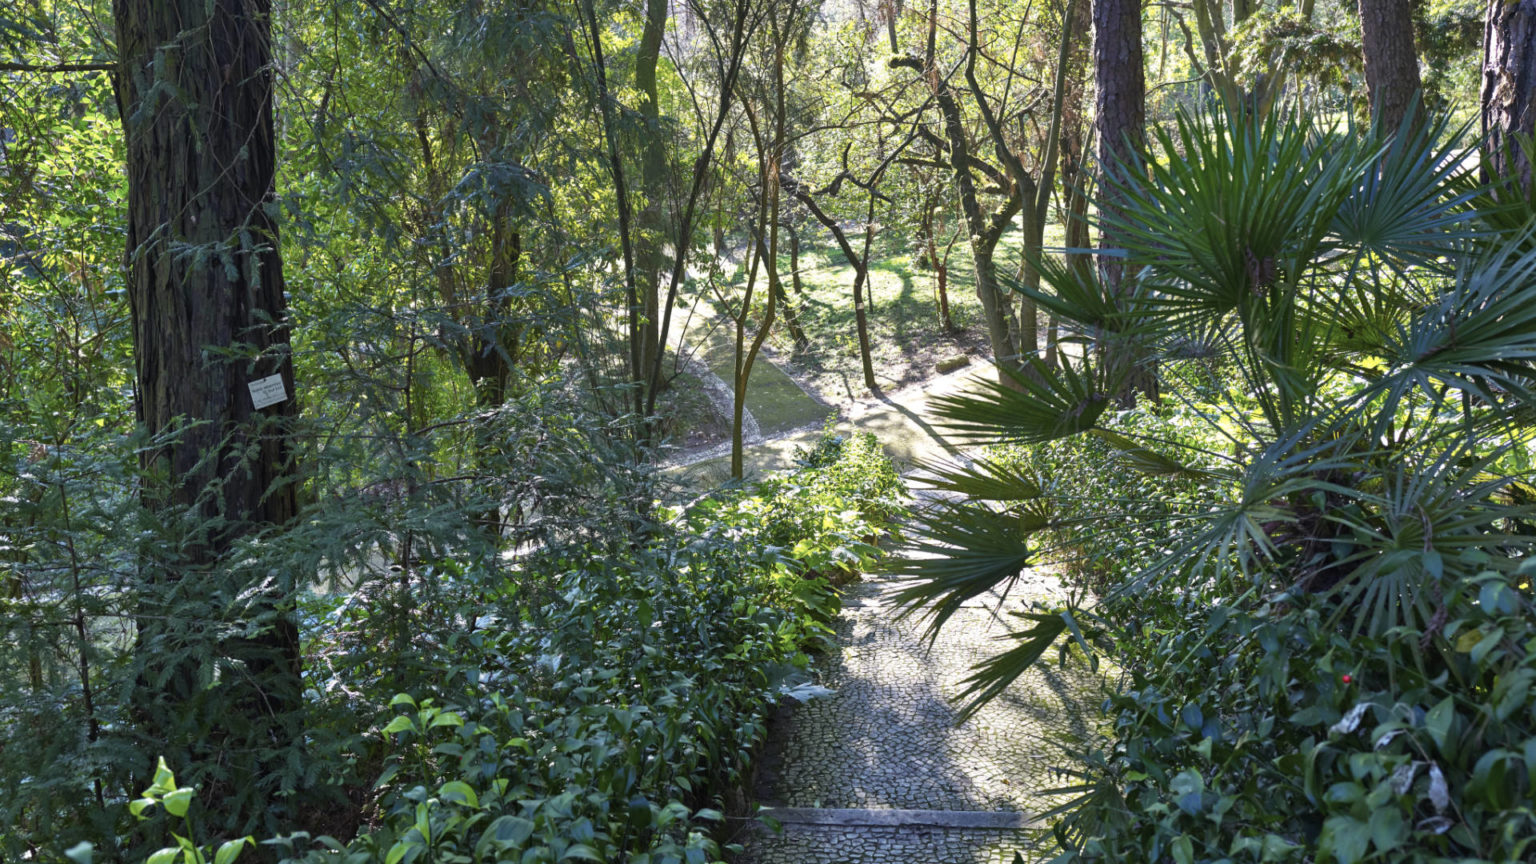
point(1267, 734)
point(1107, 522)
point(617, 718)
point(826, 516)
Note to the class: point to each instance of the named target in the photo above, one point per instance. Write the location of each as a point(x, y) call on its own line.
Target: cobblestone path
point(881, 771)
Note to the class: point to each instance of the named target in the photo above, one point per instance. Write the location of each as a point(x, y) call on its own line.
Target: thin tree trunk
point(791, 317)
point(742, 365)
point(940, 265)
point(984, 233)
point(621, 195)
point(794, 258)
point(741, 32)
point(860, 291)
point(860, 264)
point(650, 261)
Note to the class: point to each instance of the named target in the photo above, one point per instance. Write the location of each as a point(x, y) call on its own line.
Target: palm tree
point(1376, 340)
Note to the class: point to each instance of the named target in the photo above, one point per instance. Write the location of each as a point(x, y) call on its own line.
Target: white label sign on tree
point(267, 391)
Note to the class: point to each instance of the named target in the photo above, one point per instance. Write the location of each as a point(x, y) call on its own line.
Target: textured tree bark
point(1391, 61)
point(650, 262)
point(984, 229)
point(1509, 88)
point(1120, 97)
point(205, 286)
point(1120, 101)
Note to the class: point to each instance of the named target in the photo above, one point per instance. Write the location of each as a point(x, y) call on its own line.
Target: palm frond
point(983, 479)
point(1042, 404)
point(998, 672)
point(1414, 534)
point(1147, 460)
point(1480, 336)
point(1411, 205)
point(956, 552)
point(1246, 204)
point(1079, 296)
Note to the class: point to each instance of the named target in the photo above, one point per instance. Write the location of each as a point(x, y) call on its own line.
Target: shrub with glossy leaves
point(616, 719)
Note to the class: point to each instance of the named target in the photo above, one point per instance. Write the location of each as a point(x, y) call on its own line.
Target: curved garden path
point(882, 771)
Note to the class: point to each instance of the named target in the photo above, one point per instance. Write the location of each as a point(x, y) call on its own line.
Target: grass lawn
point(906, 340)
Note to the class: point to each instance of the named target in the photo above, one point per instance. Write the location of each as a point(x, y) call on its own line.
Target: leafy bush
point(1085, 484)
point(616, 718)
point(1267, 734)
point(826, 516)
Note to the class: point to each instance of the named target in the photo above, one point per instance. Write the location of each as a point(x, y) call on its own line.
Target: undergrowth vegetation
point(598, 700)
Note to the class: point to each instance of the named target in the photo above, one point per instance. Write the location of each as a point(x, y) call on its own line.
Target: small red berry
point(1347, 679)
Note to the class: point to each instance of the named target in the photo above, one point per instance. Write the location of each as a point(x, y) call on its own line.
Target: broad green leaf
point(459, 792)
point(1346, 837)
point(400, 724)
point(177, 802)
point(230, 850)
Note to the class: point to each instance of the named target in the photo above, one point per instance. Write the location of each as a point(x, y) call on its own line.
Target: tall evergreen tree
point(205, 284)
point(1391, 60)
point(1509, 87)
point(1120, 115)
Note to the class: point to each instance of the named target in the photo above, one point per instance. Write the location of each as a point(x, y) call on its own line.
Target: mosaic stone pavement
point(889, 740)
point(866, 845)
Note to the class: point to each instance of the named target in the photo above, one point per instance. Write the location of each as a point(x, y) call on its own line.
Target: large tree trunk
point(1391, 63)
point(1120, 100)
point(205, 285)
point(1509, 88)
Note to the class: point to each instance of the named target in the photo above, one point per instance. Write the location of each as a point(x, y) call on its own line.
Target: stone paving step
point(892, 818)
point(821, 844)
